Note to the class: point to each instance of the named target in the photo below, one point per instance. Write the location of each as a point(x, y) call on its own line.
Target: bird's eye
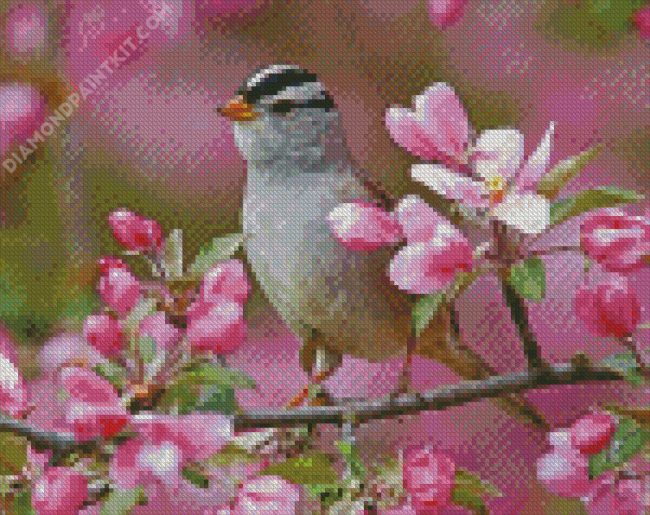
point(282, 106)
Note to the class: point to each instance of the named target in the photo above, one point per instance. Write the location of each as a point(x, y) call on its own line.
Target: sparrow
point(338, 301)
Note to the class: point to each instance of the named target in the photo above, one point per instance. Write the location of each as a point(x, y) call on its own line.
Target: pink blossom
point(616, 240)
point(60, 491)
point(437, 129)
point(107, 263)
point(26, 29)
point(565, 472)
point(641, 20)
point(22, 110)
point(119, 289)
point(428, 478)
point(593, 432)
point(621, 497)
point(104, 333)
point(67, 348)
point(93, 408)
point(7, 345)
point(444, 13)
point(156, 326)
point(13, 391)
point(363, 226)
point(267, 495)
point(608, 308)
point(227, 280)
point(218, 328)
point(405, 509)
point(135, 232)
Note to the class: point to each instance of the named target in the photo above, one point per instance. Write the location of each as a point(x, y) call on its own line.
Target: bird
point(288, 129)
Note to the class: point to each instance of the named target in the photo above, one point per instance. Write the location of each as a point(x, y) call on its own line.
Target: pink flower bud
point(22, 110)
point(418, 219)
point(622, 497)
point(564, 472)
point(104, 333)
point(363, 226)
point(61, 490)
point(267, 495)
point(609, 308)
point(615, 240)
point(119, 289)
point(592, 433)
point(107, 263)
point(444, 13)
point(428, 478)
point(227, 280)
point(155, 326)
point(13, 391)
point(26, 29)
point(135, 232)
point(641, 19)
point(216, 327)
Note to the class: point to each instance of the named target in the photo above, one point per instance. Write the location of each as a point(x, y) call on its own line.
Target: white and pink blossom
point(363, 226)
point(429, 478)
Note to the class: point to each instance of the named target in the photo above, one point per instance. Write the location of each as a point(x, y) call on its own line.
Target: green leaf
point(195, 477)
point(142, 309)
point(351, 456)
point(528, 278)
point(122, 502)
point(628, 440)
point(147, 348)
point(588, 200)
point(309, 469)
point(220, 399)
point(470, 491)
point(625, 363)
point(23, 503)
point(173, 255)
point(112, 372)
point(326, 494)
point(425, 310)
point(231, 454)
point(13, 455)
point(219, 249)
point(215, 374)
point(552, 183)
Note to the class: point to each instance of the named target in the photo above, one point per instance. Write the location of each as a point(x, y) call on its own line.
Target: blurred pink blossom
point(609, 307)
point(156, 326)
point(227, 280)
point(135, 232)
point(267, 495)
point(593, 432)
point(67, 348)
point(444, 13)
point(641, 20)
point(104, 332)
point(610, 496)
point(429, 478)
point(363, 226)
point(119, 289)
point(26, 29)
point(565, 472)
point(60, 491)
point(8, 345)
point(616, 240)
point(22, 110)
point(13, 391)
point(218, 327)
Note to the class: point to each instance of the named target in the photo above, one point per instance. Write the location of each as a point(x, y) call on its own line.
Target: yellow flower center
point(496, 187)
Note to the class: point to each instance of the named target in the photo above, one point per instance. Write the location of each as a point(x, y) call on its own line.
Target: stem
point(554, 250)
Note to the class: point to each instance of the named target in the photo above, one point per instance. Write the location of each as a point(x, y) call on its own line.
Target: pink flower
point(428, 478)
point(67, 348)
point(593, 432)
point(641, 19)
point(565, 472)
point(13, 391)
point(227, 280)
point(22, 110)
point(363, 226)
point(609, 496)
point(218, 328)
point(134, 232)
point(608, 308)
point(26, 29)
point(501, 181)
point(107, 263)
point(435, 252)
point(616, 240)
point(155, 326)
point(104, 333)
point(444, 13)
point(93, 408)
point(437, 129)
point(119, 289)
point(60, 491)
point(267, 495)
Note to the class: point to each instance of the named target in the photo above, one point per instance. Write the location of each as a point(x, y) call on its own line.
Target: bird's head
point(281, 111)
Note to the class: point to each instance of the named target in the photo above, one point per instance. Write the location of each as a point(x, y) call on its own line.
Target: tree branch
point(363, 411)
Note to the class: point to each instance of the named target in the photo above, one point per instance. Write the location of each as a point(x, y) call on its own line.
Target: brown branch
point(363, 411)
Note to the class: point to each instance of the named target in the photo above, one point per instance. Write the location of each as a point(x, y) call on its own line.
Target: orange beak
point(238, 110)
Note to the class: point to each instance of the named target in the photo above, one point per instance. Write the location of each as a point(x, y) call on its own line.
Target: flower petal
point(362, 226)
point(498, 153)
point(450, 184)
point(529, 213)
point(418, 219)
point(537, 164)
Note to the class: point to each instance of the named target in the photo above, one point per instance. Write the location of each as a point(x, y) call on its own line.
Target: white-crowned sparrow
point(289, 132)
